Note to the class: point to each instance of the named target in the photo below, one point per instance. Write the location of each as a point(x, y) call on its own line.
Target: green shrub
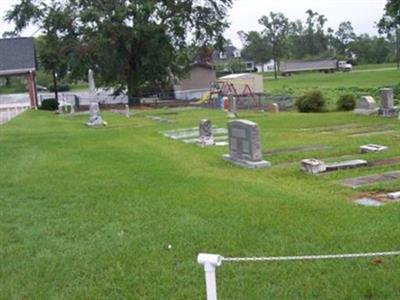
point(61, 88)
point(346, 102)
point(49, 104)
point(312, 101)
point(396, 91)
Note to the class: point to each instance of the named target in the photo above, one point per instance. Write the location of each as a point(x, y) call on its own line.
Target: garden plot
point(191, 135)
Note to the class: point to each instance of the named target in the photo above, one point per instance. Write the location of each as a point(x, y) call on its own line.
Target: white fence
point(210, 262)
point(8, 112)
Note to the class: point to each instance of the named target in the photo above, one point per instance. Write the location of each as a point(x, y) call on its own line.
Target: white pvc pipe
point(210, 262)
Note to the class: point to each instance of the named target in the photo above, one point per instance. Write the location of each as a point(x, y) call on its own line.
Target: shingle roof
point(17, 55)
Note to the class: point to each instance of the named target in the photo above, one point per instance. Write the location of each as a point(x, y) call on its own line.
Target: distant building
point(17, 57)
point(197, 82)
point(245, 81)
point(231, 52)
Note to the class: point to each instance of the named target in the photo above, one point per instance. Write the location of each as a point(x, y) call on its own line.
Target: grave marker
point(232, 113)
point(366, 106)
point(206, 137)
point(95, 120)
point(244, 145)
point(373, 148)
point(273, 108)
point(387, 103)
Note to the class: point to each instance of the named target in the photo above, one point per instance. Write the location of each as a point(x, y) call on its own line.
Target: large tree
point(256, 47)
point(58, 39)
point(136, 45)
point(390, 24)
point(276, 27)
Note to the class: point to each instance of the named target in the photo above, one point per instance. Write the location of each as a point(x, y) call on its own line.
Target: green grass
point(366, 81)
point(89, 213)
point(82, 86)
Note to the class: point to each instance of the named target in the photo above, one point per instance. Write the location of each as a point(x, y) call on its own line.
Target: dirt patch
point(384, 162)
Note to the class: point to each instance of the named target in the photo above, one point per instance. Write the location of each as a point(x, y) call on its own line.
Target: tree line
point(145, 45)
point(281, 39)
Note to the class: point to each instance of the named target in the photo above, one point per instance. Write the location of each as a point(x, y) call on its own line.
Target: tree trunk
point(133, 88)
point(398, 47)
point(55, 85)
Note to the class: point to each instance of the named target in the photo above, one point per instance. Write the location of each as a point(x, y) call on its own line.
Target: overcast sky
point(244, 15)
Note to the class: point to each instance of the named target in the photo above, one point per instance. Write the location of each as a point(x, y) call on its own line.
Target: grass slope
point(88, 214)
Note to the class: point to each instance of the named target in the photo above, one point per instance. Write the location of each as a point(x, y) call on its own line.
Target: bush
point(346, 102)
point(312, 101)
point(49, 104)
point(62, 87)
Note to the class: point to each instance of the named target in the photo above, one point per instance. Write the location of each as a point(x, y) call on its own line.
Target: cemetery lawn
point(89, 213)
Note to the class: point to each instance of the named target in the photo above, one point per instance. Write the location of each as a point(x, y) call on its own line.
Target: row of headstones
point(367, 104)
point(245, 148)
point(233, 107)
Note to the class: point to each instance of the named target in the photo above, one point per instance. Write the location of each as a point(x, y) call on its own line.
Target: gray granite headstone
point(387, 103)
point(206, 137)
point(244, 145)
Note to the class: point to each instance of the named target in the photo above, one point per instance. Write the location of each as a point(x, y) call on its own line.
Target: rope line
point(309, 257)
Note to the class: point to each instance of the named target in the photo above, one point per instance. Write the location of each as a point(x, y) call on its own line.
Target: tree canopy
point(138, 45)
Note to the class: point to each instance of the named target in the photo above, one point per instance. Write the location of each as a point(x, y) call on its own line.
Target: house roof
point(17, 56)
point(229, 51)
point(202, 65)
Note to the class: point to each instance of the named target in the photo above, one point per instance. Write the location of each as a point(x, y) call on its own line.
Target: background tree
point(344, 36)
point(276, 28)
point(390, 24)
point(58, 39)
point(136, 45)
point(256, 48)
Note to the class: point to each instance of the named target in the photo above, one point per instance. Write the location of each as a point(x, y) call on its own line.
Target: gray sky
point(363, 14)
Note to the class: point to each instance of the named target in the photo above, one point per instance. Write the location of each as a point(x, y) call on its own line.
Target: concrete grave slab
point(365, 180)
point(160, 119)
point(369, 202)
point(192, 135)
point(350, 164)
point(297, 149)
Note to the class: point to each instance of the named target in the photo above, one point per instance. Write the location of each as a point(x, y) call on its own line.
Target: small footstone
point(394, 196)
point(313, 166)
point(373, 148)
point(369, 202)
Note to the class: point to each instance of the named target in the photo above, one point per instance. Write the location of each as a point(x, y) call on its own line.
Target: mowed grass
point(363, 79)
point(89, 213)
